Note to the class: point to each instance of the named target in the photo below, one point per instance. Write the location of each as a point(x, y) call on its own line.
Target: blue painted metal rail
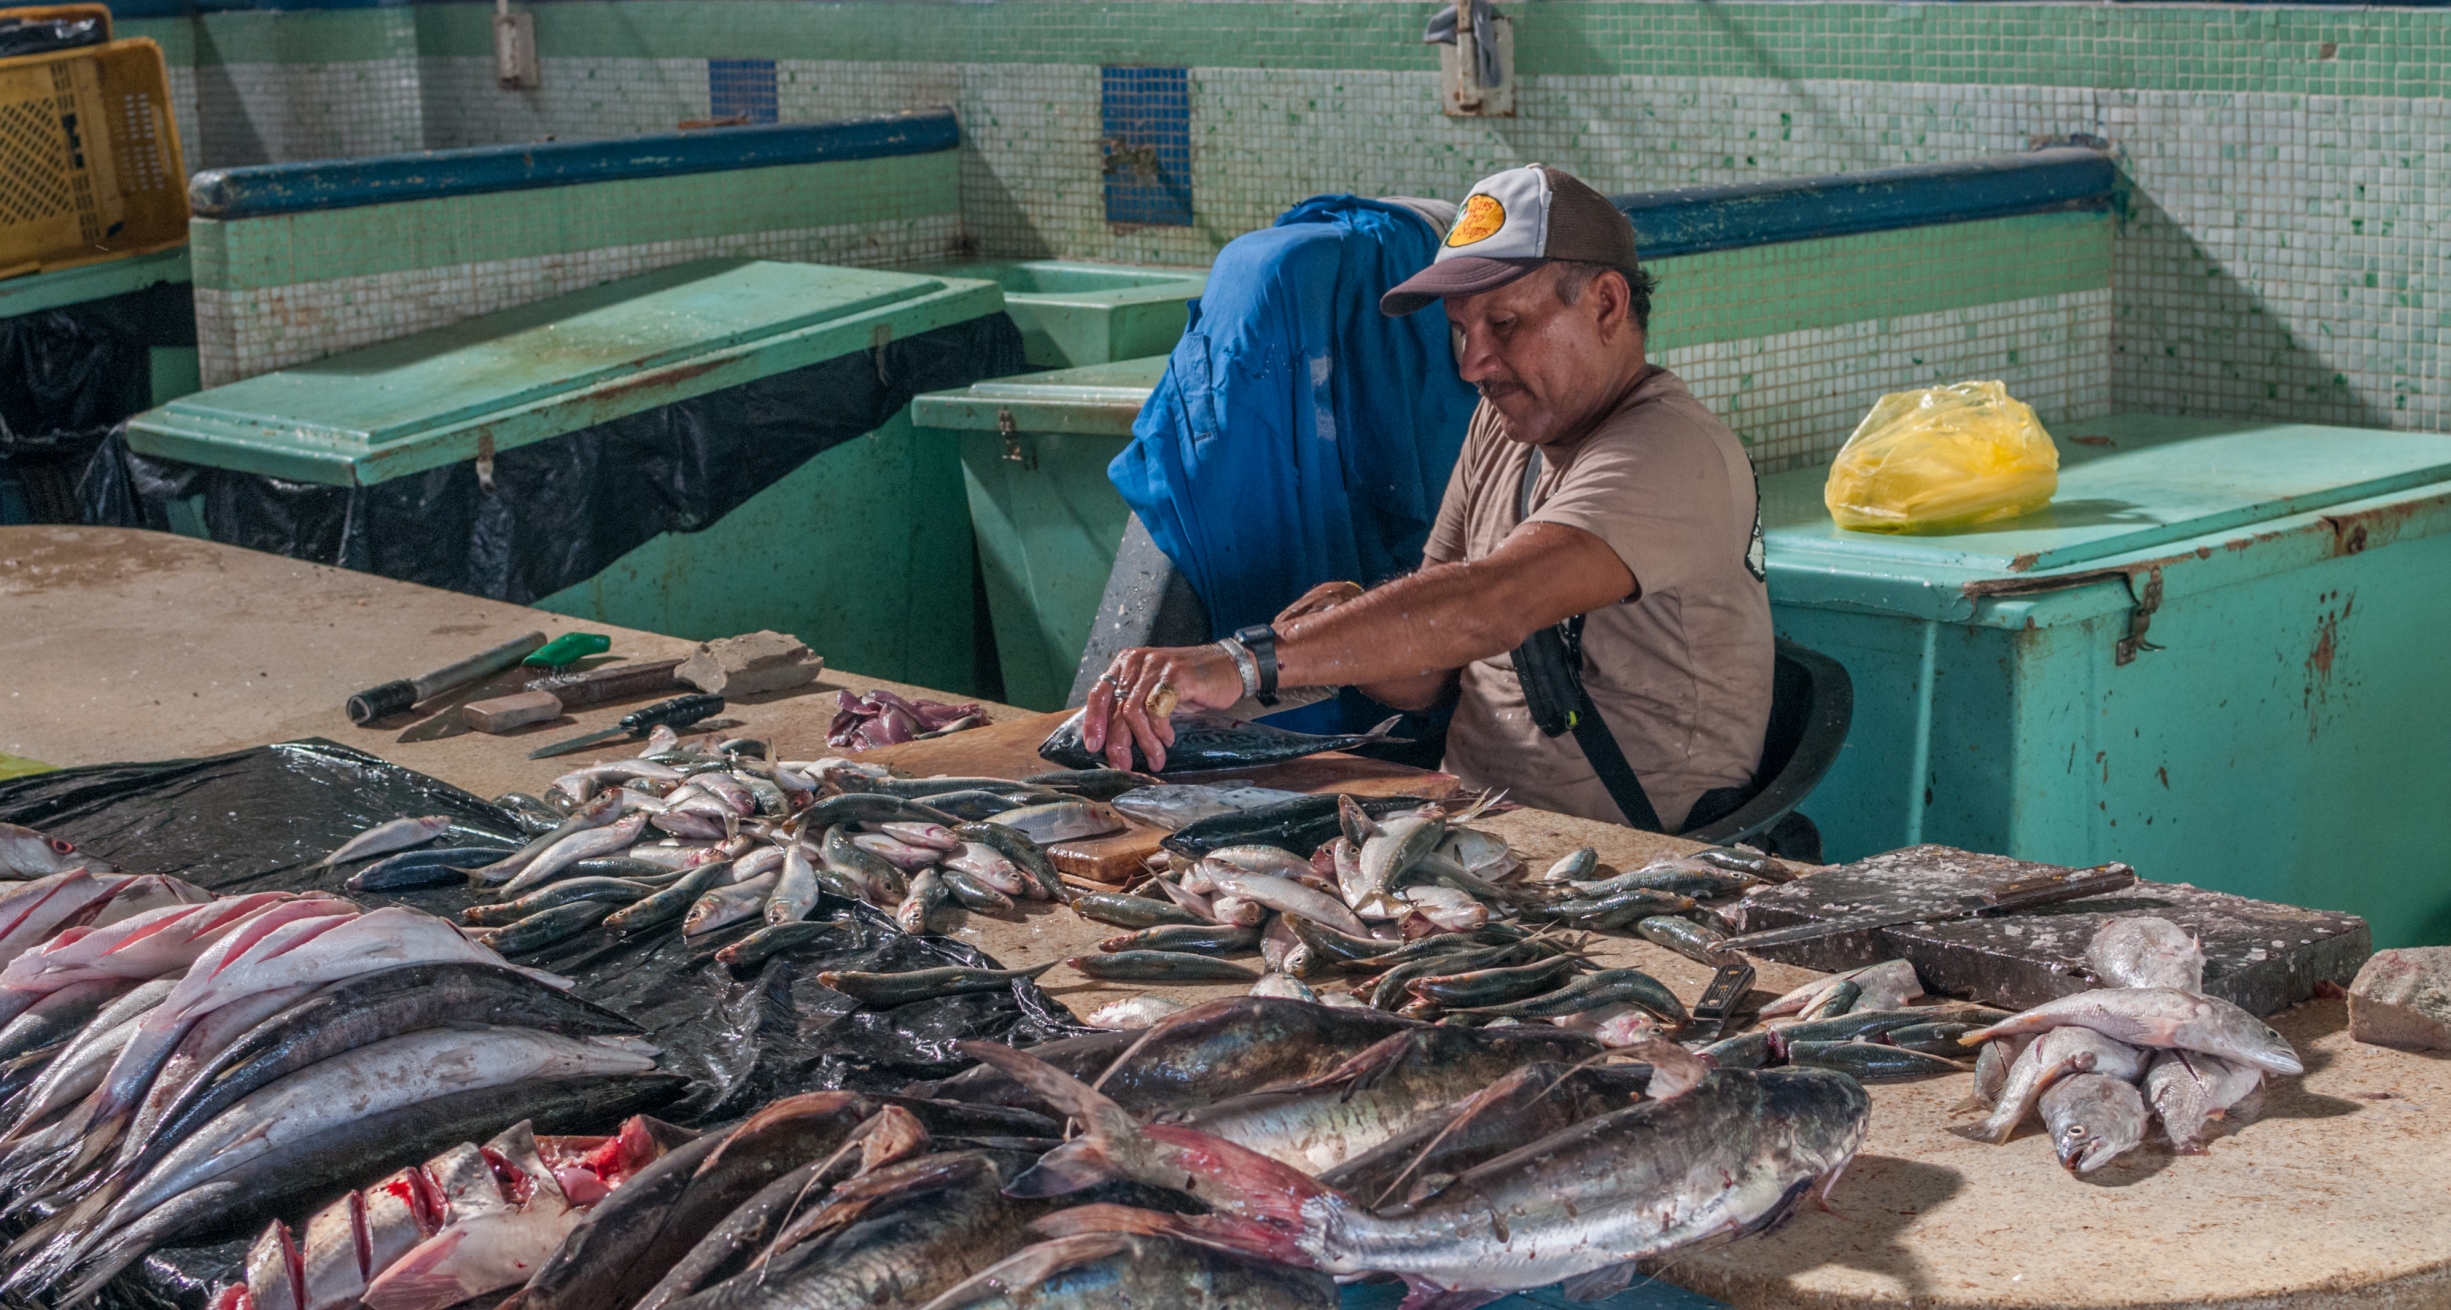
point(254, 192)
point(1692, 220)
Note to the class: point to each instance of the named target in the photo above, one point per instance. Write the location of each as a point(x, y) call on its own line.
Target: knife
point(575, 691)
point(677, 712)
point(2023, 894)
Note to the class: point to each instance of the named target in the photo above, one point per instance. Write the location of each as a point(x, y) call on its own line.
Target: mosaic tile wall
point(285, 289)
point(2274, 256)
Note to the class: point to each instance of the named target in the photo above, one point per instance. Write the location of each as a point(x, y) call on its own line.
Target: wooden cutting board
point(1009, 749)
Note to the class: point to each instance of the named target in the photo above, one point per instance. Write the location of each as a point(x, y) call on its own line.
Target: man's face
point(1546, 366)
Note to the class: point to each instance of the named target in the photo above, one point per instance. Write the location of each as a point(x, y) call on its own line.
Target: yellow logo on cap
point(1481, 219)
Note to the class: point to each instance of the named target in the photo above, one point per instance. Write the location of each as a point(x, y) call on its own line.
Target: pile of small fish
point(1432, 915)
point(2104, 1065)
point(1244, 1155)
point(472, 1220)
point(882, 718)
point(1860, 1022)
point(171, 1061)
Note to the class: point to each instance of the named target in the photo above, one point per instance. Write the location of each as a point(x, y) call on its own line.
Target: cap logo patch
point(1481, 219)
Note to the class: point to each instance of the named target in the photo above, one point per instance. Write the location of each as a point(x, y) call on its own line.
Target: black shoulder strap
point(1550, 666)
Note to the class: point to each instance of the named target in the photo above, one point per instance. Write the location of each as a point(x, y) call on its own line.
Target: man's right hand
point(1319, 600)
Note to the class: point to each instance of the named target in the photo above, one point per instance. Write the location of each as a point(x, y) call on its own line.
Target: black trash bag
point(257, 820)
point(561, 510)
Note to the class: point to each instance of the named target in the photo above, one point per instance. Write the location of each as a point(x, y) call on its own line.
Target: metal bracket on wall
point(516, 67)
point(2145, 586)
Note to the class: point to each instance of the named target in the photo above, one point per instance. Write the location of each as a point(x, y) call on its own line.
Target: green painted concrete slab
point(2279, 735)
point(1035, 449)
point(34, 292)
point(1076, 313)
point(540, 370)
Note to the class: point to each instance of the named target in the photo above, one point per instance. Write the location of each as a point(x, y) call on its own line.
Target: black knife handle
point(673, 713)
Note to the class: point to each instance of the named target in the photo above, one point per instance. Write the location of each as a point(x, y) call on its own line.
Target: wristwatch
point(1261, 640)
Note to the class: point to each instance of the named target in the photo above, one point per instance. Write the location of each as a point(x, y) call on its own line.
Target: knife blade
point(677, 712)
point(2023, 894)
point(444, 719)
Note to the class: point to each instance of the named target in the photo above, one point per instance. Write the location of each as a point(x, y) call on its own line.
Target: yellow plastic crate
point(90, 168)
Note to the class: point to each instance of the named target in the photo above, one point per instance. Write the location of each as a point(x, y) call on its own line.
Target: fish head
point(2080, 1148)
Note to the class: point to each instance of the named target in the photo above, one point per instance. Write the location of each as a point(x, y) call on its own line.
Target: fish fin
point(1216, 1231)
point(1421, 1295)
point(1098, 1115)
point(1068, 1168)
point(1599, 1282)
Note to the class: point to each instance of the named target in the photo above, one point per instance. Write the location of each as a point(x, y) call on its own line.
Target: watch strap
point(1261, 640)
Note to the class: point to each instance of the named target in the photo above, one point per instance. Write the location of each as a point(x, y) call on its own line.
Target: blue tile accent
point(387, 179)
point(1148, 145)
point(1690, 220)
point(743, 87)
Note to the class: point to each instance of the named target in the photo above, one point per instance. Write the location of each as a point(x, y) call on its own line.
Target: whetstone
point(2259, 955)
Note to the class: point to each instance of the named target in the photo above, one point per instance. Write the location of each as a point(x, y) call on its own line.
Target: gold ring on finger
point(1161, 700)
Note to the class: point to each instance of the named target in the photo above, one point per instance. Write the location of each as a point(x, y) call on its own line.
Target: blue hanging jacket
point(1299, 436)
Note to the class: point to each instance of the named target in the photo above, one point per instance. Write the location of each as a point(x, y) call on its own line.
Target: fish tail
point(1102, 1118)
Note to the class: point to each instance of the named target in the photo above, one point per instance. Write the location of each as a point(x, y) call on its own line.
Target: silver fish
point(1175, 805)
point(2093, 1120)
point(901, 854)
point(397, 835)
point(2057, 1054)
point(934, 836)
point(1401, 843)
point(1286, 895)
point(1134, 1014)
point(920, 903)
point(593, 814)
point(1574, 866)
point(25, 853)
point(795, 888)
point(727, 905)
point(1285, 985)
point(1098, 1271)
point(2143, 951)
point(2163, 1017)
point(985, 864)
point(578, 846)
point(2188, 1088)
point(1061, 820)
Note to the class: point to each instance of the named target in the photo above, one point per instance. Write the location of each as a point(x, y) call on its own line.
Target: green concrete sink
point(1075, 314)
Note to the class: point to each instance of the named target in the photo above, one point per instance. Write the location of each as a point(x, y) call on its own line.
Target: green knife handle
point(569, 648)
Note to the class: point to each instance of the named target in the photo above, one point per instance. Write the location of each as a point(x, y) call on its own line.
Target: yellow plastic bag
point(1940, 459)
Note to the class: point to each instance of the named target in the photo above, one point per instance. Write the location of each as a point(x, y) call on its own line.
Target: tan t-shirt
point(1681, 672)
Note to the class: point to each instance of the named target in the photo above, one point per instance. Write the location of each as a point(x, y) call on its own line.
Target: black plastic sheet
point(67, 376)
point(259, 819)
point(562, 510)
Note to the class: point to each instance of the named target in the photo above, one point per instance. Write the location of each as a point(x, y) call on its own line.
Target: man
point(1642, 519)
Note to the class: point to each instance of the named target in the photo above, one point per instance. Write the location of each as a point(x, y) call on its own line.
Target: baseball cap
point(1512, 223)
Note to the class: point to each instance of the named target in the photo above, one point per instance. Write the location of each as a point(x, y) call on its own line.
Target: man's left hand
point(1119, 712)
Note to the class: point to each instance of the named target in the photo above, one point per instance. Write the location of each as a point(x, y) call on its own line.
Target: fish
point(1237, 912)
point(1872, 1062)
point(923, 984)
point(441, 866)
point(613, 892)
point(1161, 966)
point(883, 884)
point(795, 889)
point(728, 905)
point(1729, 1155)
point(1876, 1024)
point(1170, 806)
point(1743, 1051)
point(1298, 825)
point(1209, 741)
point(1198, 939)
point(614, 837)
point(1483, 854)
point(2142, 950)
point(595, 813)
point(754, 950)
point(1285, 985)
point(1061, 821)
point(871, 807)
point(2189, 1088)
point(276, 1181)
point(1319, 1123)
point(1287, 896)
point(58, 1016)
point(25, 853)
point(1134, 1014)
point(1573, 866)
point(1401, 843)
point(1836, 1003)
point(2093, 1120)
point(974, 895)
point(1494, 986)
point(1512, 1112)
point(901, 854)
point(383, 838)
point(1133, 911)
point(1930, 1038)
point(85, 1062)
point(1884, 986)
point(33, 911)
point(2160, 1017)
point(1591, 992)
point(2059, 1053)
point(148, 945)
point(992, 869)
point(671, 903)
point(1098, 784)
point(522, 1216)
point(925, 897)
point(1992, 1065)
point(1095, 1271)
point(1023, 853)
point(546, 927)
point(1685, 877)
point(911, 1232)
point(1615, 909)
point(1446, 908)
point(1684, 936)
point(1254, 858)
point(976, 805)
